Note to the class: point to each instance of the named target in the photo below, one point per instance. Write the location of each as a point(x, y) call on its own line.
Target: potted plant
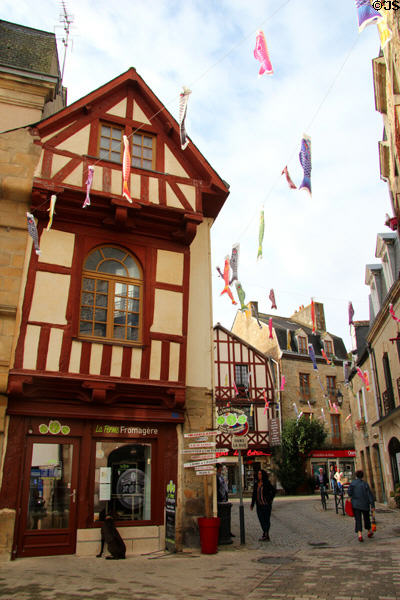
point(396, 494)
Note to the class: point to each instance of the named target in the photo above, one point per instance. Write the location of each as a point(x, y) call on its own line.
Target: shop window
point(335, 429)
point(123, 481)
point(110, 146)
point(143, 151)
point(111, 297)
point(305, 390)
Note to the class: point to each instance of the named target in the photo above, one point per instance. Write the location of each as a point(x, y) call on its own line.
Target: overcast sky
point(249, 128)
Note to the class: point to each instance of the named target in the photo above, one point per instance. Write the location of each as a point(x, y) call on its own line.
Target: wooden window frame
point(302, 344)
point(153, 149)
point(329, 388)
point(304, 385)
point(335, 428)
point(112, 126)
point(110, 306)
point(328, 347)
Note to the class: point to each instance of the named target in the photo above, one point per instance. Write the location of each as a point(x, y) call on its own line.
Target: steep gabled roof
point(28, 49)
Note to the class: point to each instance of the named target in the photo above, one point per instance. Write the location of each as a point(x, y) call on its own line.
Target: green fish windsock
point(260, 235)
point(241, 295)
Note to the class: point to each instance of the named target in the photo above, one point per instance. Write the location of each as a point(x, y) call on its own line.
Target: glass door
point(49, 500)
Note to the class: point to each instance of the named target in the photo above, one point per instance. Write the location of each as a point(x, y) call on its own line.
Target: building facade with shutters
point(112, 357)
point(317, 394)
point(245, 379)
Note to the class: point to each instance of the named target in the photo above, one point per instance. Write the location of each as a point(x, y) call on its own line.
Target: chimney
point(303, 316)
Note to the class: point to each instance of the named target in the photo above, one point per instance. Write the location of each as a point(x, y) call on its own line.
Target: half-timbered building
point(112, 357)
point(244, 379)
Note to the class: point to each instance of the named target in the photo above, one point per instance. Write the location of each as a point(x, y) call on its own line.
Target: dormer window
point(302, 344)
point(328, 345)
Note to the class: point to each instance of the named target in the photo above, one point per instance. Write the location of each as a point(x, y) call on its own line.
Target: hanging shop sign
point(274, 432)
point(239, 443)
point(232, 420)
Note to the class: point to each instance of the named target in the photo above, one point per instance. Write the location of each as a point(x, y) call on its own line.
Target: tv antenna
point(66, 19)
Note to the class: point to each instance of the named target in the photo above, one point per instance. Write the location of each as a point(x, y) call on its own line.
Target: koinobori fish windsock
point(33, 232)
point(312, 356)
point(241, 295)
point(272, 298)
point(126, 170)
point(392, 313)
point(366, 14)
point(227, 289)
point(50, 210)
point(288, 179)
point(314, 327)
point(234, 262)
point(270, 325)
point(183, 101)
point(89, 182)
point(261, 235)
point(305, 161)
point(261, 54)
point(351, 313)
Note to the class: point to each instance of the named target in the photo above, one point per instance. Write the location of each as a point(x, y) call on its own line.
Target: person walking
point(263, 495)
point(362, 501)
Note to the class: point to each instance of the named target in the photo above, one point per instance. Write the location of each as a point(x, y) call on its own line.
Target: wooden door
point(49, 497)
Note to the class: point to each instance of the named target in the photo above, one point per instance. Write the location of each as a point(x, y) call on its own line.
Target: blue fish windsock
point(367, 15)
point(312, 356)
point(305, 161)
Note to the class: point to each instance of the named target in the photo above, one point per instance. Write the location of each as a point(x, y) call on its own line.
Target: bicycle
point(324, 496)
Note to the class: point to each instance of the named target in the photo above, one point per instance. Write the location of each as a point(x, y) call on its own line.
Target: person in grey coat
point(362, 501)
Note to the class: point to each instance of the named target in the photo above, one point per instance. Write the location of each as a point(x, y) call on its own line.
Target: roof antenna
point(67, 20)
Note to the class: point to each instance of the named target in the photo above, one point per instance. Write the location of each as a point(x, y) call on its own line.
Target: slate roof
point(28, 49)
point(283, 325)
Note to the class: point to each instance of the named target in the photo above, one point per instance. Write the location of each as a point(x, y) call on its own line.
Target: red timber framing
point(83, 396)
point(231, 352)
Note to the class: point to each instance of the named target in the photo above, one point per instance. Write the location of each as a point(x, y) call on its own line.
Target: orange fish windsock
point(126, 170)
point(227, 289)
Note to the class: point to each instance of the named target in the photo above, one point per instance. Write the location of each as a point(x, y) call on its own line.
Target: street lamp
point(339, 397)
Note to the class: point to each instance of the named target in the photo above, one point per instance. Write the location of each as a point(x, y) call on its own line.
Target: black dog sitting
point(111, 536)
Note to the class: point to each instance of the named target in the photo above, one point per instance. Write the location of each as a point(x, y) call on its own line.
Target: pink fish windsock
point(261, 54)
point(33, 232)
point(227, 289)
point(366, 14)
point(126, 170)
point(351, 313)
point(347, 418)
point(272, 298)
point(266, 403)
point(270, 328)
point(89, 182)
point(289, 179)
point(183, 101)
point(392, 313)
point(283, 381)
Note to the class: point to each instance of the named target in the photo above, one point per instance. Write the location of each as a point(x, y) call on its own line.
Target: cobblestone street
point(312, 555)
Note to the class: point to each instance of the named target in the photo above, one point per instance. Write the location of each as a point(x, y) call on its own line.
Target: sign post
point(239, 444)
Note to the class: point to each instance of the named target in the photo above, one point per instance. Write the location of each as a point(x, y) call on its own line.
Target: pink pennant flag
point(283, 381)
point(288, 179)
point(270, 328)
point(335, 407)
point(235, 388)
point(266, 402)
point(392, 313)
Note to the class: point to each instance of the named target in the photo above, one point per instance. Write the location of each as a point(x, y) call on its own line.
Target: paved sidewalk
point(301, 562)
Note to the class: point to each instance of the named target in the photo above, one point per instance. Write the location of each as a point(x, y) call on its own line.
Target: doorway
point(49, 498)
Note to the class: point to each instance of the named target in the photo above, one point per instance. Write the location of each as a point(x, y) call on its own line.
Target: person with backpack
point(263, 496)
point(362, 500)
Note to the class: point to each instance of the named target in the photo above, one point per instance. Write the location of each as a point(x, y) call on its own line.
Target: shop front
point(60, 473)
point(343, 461)
point(252, 461)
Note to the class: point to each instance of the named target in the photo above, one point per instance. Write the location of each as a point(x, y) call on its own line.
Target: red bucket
point(209, 530)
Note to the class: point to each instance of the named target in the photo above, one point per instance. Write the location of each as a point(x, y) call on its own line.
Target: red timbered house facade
point(111, 361)
point(244, 379)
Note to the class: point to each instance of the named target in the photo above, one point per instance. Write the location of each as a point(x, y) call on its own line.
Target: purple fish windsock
point(183, 101)
point(261, 54)
point(312, 356)
point(351, 313)
point(234, 262)
point(33, 232)
point(89, 182)
point(366, 14)
point(305, 161)
point(272, 298)
point(289, 179)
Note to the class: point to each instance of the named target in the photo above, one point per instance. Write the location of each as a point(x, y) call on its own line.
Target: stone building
point(376, 345)
point(111, 362)
point(318, 394)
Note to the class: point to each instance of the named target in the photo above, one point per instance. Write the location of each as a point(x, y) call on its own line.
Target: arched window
point(111, 296)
